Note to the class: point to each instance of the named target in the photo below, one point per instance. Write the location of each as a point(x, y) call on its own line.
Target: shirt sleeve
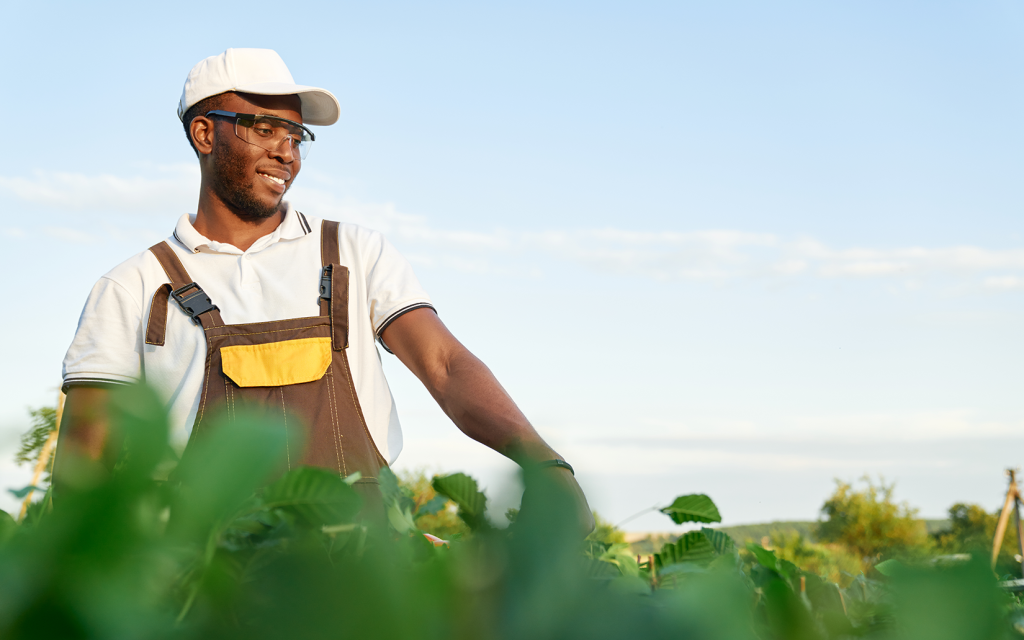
point(107, 347)
point(392, 288)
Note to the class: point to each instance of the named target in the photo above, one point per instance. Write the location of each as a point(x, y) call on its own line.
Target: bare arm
point(471, 396)
point(464, 387)
point(85, 432)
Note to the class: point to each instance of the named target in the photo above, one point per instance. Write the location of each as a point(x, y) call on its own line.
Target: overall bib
point(293, 371)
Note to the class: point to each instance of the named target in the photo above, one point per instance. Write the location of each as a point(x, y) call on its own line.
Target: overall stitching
point(343, 469)
point(206, 386)
point(359, 409)
point(253, 324)
point(227, 400)
point(284, 410)
point(257, 333)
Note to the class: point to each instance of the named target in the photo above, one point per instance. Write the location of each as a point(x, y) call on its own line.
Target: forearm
point(473, 398)
point(85, 432)
point(480, 407)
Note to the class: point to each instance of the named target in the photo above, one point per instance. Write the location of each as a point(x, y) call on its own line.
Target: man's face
point(249, 178)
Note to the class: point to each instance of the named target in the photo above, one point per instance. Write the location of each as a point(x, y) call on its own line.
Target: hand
point(556, 487)
point(582, 515)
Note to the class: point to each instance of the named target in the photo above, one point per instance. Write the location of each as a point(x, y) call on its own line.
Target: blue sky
point(736, 248)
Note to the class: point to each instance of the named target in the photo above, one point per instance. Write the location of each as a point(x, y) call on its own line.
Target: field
point(231, 549)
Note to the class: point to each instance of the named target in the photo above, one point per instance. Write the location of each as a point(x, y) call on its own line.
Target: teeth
point(277, 180)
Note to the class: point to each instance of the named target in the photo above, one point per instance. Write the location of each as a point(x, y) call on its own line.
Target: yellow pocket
point(276, 364)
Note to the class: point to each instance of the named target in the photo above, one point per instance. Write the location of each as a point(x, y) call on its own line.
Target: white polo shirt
point(277, 278)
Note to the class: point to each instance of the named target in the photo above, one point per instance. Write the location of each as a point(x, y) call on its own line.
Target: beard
point(233, 183)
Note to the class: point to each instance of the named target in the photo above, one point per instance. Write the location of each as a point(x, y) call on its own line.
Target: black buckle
point(325, 283)
point(195, 303)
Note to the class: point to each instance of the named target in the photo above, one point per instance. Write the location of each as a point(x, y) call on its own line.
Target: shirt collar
point(293, 226)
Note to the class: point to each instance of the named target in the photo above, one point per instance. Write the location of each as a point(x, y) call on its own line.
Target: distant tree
point(871, 524)
point(973, 530)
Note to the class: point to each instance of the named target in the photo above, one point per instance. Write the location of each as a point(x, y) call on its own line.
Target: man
point(251, 302)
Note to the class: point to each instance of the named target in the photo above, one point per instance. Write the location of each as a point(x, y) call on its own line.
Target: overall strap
point(333, 285)
point(189, 296)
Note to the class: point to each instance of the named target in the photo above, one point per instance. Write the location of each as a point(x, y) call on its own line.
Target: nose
point(286, 150)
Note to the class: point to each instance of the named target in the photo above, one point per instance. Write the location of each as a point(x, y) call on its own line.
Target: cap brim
point(319, 106)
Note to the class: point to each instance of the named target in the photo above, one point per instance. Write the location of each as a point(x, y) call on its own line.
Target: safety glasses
point(269, 132)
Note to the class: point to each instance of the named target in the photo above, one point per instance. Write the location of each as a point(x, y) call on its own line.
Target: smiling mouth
point(273, 179)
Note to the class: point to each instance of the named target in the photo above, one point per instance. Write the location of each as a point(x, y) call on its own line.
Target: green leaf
point(822, 594)
point(627, 585)
point(389, 485)
point(142, 416)
point(432, 506)
point(24, 491)
point(463, 490)
point(7, 526)
point(889, 568)
point(763, 556)
point(223, 469)
point(695, 507)
point(720, 540)
point(600, 569)
point(401, 519)
point(44, 422)
point(682, 568)
point(691, 547)
point(316, 496)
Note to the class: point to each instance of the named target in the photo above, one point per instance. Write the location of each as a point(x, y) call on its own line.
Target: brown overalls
point(294, 371)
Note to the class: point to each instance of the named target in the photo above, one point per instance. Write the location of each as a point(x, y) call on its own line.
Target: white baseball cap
point(259, 71)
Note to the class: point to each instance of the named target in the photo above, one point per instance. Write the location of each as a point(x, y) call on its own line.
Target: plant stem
point(637, 515)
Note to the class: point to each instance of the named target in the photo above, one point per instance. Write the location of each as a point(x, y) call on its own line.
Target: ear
point(202, 134)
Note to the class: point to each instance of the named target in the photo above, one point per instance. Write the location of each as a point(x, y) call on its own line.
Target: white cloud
point(716, 255)
point(74, 236)
point(168, 188)
point(639, 458)
point(849, 444)
point(856, 429)
point(1004, 282)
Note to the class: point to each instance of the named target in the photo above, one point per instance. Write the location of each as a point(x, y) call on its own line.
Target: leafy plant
point(44, 422)
point(831, 561)
point(231, 547)
point(463, 491)
point(433, 512)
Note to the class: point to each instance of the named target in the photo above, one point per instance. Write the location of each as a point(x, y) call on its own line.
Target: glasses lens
point(270, 133)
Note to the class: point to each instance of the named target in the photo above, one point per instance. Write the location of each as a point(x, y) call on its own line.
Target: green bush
point(973, 530)
point(871, 525)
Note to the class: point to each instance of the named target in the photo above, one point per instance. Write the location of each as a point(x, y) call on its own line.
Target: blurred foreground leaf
point(7, 527)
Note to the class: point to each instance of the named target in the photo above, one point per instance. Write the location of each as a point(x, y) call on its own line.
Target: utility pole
point(1012, 499)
